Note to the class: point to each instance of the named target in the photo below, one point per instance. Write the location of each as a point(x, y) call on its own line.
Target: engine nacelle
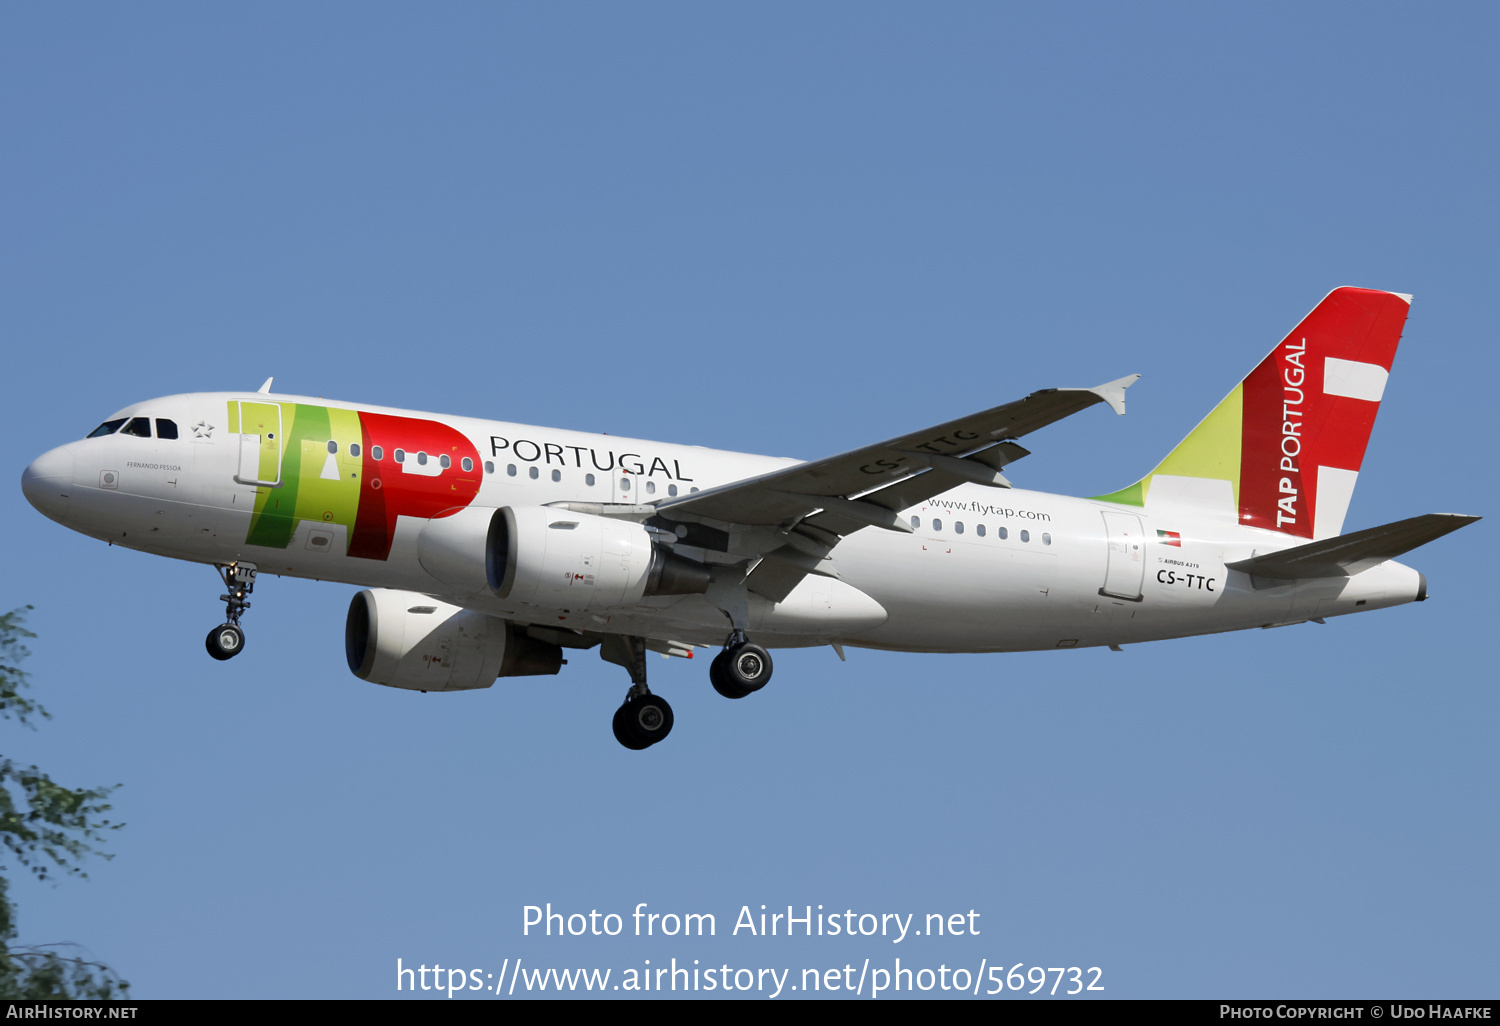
point(405, 640)
point(558, 559)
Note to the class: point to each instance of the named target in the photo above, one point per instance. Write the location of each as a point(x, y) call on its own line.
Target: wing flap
point(774, 580)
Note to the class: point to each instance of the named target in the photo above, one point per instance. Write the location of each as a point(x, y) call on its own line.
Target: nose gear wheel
point(227, 640)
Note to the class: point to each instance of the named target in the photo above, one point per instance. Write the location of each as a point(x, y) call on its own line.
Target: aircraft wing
point(809, 507)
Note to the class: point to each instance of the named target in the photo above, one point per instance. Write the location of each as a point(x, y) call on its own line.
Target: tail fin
point(1283, 450)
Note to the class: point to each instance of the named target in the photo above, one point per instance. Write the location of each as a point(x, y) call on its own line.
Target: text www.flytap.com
point(859, 981)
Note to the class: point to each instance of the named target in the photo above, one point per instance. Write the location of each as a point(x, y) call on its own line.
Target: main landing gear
point(227, 640)
point(743, 668)
point(643, 719)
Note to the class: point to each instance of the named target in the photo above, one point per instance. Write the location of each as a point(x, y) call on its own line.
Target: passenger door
point(261, 443)
point(1127, 558)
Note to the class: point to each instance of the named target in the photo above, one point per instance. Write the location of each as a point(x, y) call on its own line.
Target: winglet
point(1113, 392)
point(266, 388)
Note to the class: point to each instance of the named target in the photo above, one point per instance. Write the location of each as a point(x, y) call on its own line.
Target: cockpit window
point(109, 427)
point(138, 426)
point(166, 428)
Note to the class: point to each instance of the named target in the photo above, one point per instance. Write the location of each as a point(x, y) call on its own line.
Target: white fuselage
point(986, 569)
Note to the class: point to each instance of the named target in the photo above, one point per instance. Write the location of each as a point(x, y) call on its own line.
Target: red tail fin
point(1309, 410)
point(1283, 450)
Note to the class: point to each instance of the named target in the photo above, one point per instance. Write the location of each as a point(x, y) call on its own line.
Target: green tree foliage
point(47, 829)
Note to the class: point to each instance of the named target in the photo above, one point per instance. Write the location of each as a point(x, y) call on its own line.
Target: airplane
point(490, 549)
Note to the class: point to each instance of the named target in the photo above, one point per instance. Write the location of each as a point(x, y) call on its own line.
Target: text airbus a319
point(488, 549)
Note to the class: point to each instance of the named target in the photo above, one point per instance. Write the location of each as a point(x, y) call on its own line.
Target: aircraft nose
point(48, 481)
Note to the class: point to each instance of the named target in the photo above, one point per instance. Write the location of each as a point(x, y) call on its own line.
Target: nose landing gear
point(227, 640)
point(743, 668)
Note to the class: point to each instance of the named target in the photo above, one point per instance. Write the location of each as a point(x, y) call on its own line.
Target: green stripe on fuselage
point(305, 492)
point(328, 492)
point(275, 508)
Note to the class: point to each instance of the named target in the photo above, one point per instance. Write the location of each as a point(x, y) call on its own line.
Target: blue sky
point(786, 229)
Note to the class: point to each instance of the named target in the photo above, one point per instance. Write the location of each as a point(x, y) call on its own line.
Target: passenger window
point(140, 427)
point(353, 448)
point(937, 525)
point(489, 466)
point(979, 530)
point(444, 462)
point(692, 489)
point(1046, 539)
point(421, 459)
point(510, 470)
point(671, 489)
point(377, 453)
point(588, 479)
point(650, 487)
point(109, 427)
point(1026, 536)
point(624, 484)
point(534, 473)
point(916, 521)
point(958, 527)
point(1003, 533)
point(400, 455)
point(467, 464)
point(166, 428)
point(333, 447)
point(557, 475)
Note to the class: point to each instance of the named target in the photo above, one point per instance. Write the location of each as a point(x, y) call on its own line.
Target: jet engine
point(558, 559)
point(405, 640)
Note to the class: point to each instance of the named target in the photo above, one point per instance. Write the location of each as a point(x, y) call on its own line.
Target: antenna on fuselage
point(266, 388)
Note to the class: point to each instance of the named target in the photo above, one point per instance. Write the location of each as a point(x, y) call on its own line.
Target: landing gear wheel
point(623, 733)
point(718, 676)
point(747, 667)
point(642, 721)
point(225, 642)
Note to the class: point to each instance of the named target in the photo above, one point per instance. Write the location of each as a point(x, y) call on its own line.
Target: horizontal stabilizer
point(1354, 553)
